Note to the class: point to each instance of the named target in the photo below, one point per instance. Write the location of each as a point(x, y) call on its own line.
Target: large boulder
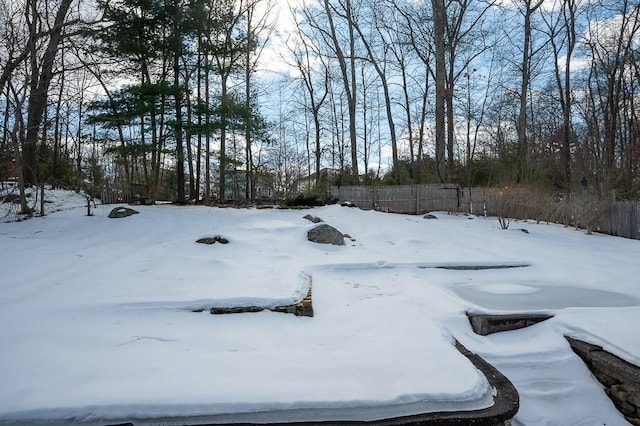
point(120, 212)
point(326, 234)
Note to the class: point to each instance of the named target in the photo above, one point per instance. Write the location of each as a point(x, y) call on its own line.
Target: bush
point(310, 198)
point(307, 199)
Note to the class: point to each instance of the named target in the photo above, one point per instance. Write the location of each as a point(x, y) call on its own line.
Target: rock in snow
point(326, 234)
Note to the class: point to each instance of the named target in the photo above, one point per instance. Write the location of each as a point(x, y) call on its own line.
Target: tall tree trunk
point(421, 129)
point(353, 138)
point(407, 107)
point(451, 135)
point(569, 12)
point(439, 18)
point(207, 138)
point(387, 102)
point(80, 144)
point(41, 76)
point(4, 142)
point(156, 151)
point(525, 67)
point(223, 138)
point(193, 195)
point(318, 149)
point(348, 78)
point(16, 135)
point(365, 127)
point(56, 138)
point(199, 103)
point(249, 190)
point(177, 89)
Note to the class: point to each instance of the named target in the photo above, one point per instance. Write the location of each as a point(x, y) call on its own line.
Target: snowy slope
point(97, 323)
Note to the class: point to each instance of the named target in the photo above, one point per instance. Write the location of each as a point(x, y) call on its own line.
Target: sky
point(97, 318)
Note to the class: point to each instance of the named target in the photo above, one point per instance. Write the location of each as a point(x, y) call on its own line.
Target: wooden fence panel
point(410, 199)
point(580, 210)
point(620, 218)
point(115, 192)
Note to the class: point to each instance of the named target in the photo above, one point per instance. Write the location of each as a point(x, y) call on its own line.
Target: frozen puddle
point(535, 297)
point(527, 295)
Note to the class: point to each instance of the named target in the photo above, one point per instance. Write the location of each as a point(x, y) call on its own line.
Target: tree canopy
point(201, 100)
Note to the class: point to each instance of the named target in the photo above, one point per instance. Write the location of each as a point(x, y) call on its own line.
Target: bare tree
point(34, 32)
point(18, 97)
point(464, 41)
point(610, 42)
point(258, 30)
point(379, 62)
point(228, 52)
point(402, 50)
point(304, 53)
point(420, 37)
point(439, 22)
point(561, 26)
point(41, 74)
point(348, 72)
point(529, 7)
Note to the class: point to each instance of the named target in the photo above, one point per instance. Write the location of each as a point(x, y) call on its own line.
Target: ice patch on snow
point(508, 289)
point(543, 297)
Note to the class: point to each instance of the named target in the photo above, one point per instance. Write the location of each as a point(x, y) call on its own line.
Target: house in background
point(307, 183)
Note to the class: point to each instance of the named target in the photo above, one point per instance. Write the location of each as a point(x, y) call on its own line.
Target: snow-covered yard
point(97, 321)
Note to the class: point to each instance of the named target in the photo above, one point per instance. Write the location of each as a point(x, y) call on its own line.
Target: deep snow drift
point(97, 316)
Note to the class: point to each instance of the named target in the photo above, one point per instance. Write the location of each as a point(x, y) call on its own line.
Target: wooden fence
point(582, 210)
point(620, 218)
point(400, 199)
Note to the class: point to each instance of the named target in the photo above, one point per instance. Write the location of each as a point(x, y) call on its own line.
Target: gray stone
point(619, 394)
point(120, 212)
point(606, 380)
point(326, 234)
point(429, 216)
point(312, 218)
point(484, 325)
point(627, 409)
point(633, 421)
point(620, 378)
point(615, 367)
point(213, 240)
point(632, 388)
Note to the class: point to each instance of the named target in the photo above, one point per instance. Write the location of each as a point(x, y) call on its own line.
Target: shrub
point(311, 198)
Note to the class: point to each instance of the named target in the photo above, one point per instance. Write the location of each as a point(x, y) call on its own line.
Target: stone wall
point(621, 379)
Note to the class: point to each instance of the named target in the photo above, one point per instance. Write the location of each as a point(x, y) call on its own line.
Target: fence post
point(373, 198)
point(633, 223)
point(42, 200)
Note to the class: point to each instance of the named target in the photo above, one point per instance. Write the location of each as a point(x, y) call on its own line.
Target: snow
point(98, 323)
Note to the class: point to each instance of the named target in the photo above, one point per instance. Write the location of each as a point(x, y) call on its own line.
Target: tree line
point(196, 100)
